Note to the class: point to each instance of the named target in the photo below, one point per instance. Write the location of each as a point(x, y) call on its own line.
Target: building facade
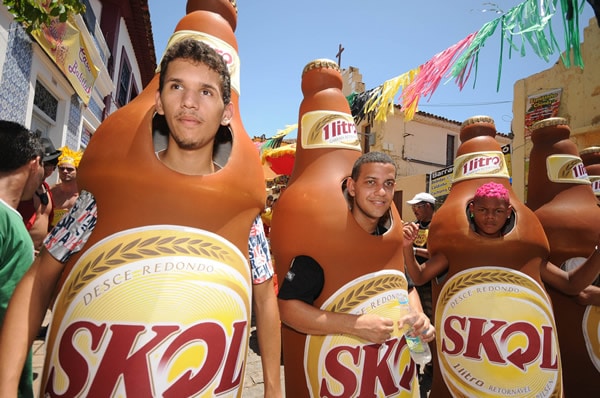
point(575, 95)
point(423, 148)
point(56, 99)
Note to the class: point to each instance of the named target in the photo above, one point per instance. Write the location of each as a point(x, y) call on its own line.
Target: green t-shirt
point(16, 256)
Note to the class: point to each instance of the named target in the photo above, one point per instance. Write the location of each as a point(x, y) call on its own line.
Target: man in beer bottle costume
point(158, 301)
point(495, 325)
point(343, 339)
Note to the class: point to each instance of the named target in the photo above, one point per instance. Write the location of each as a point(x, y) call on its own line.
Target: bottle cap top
point(319, 64)
point(477, 119)
point(550, 122)
point(589, 150)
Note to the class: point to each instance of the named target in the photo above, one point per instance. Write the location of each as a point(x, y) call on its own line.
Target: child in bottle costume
point(496, 333)
point(362, 278)
point(560, 194)
point(157, 302)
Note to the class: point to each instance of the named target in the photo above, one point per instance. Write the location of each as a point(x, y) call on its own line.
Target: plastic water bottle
point(419, 350)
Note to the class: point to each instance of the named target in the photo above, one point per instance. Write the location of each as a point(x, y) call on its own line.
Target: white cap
point(421, 197)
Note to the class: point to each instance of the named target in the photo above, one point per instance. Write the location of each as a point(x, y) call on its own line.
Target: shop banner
point(541, 106)
point(64, 44)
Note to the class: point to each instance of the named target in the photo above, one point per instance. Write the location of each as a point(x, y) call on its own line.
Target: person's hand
point(421, 326)
point(374, 328)
point(410, 230)
point(588, 296)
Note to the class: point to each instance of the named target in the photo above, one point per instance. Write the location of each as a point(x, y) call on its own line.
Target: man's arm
point(589, 296)
point(574, 281)
point(420, 273)
point(24, 317)
point(269, 336)
point(308, 319)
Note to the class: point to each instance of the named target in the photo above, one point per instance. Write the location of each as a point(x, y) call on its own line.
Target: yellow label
point(229, 54)
point(344, 365)
point(154, 311)
point(591, 333)
point(328, 129)
point(421, 239)
point(595, 181)
point(566, 169)
point(480, 164)
point(496, 336)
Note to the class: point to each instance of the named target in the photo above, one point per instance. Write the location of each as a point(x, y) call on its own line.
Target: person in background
point(21, 173)
point(423, 207)
point(65, 193)
point(37, 210)
point(267, 214)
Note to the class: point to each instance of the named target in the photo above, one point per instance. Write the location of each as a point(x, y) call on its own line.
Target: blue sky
point(382, 38)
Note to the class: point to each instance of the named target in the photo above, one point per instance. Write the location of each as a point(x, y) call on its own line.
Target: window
point(89, 17)
point(450, 143)
point(134, 91)
point(124, 81)
point(45, 101)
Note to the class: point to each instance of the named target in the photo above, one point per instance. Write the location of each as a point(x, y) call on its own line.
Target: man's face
point(67, 172)
point(423, 211)
point(373, 191)
point(192, 103)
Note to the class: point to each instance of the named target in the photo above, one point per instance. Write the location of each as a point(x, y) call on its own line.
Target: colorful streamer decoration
point(530, 21)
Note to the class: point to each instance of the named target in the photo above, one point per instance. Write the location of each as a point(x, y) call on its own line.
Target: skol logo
point(497, 335)
point(345, 366)
point(153, 311)
point(114, 355)
point(371, 368)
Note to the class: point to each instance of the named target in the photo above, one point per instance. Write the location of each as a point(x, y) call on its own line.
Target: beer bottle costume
point(158, 301)
point(362, 272)
point(495, 332)
point(559, 192)
point(591, 160)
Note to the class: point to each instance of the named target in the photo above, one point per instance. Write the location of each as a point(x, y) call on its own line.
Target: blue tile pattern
point(75, 115)
point(95, 108)
point(14, 83)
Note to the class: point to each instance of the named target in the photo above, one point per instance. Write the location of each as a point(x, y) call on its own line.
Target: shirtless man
point(65, 193)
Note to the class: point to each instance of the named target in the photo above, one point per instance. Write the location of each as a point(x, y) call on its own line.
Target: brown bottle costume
point(495, 333)
point(158, 301)
point(559, 193)
point(362, 272)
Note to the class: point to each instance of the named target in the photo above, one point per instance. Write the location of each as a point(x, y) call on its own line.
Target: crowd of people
point(194, 99)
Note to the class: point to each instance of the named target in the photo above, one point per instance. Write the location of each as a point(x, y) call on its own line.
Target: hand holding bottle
point(416, 329)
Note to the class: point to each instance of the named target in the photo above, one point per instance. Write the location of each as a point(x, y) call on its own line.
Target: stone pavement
point(253, 383)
